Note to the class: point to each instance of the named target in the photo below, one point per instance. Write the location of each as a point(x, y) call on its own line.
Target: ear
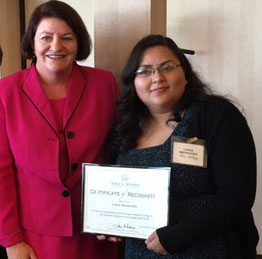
point(33, 50)
point(1, 55)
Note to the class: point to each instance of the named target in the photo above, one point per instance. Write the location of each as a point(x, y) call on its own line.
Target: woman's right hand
point(112, 239)
point(20, 251)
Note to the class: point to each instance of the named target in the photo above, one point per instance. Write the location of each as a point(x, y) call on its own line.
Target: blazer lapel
point(76, 88)
point(35, 92)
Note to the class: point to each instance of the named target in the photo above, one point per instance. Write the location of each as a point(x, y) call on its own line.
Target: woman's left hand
point(154, 244)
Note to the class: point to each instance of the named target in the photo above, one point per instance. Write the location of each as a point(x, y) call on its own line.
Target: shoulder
point(206, 117)
point(217, 108)
point(12, 83)
point(220, 117)
point(95, 73)
point(100, 81)
point(14, 78)
point(216, 104)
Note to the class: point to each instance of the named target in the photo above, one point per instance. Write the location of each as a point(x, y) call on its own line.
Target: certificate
point(124, 201)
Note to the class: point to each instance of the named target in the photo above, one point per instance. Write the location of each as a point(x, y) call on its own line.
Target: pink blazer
point(32, 195)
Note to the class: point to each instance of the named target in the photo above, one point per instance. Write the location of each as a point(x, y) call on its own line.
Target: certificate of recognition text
point(124, 201)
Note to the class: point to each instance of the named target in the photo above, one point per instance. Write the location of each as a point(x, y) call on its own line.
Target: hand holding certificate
point(124, 201)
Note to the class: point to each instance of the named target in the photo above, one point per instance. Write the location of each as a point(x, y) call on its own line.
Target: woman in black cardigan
point(165, 103)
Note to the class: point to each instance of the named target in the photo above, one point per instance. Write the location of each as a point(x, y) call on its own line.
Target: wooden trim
point(158, 17)
point(22, 27)
point(10, 37)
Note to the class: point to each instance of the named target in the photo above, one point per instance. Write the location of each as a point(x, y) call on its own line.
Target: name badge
point(189, 151)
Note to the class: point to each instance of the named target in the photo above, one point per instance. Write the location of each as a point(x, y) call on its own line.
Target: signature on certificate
point(123, 226)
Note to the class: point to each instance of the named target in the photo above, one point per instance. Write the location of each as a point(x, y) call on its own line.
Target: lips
point(55, 56)
point(159, 90)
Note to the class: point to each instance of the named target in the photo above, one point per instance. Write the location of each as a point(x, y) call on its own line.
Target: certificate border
point(117, 166)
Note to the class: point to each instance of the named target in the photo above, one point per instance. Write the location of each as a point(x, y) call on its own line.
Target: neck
point(155, 131)
point(56, 84)
point(54, 81)
point(161, 117)
point(58, 78)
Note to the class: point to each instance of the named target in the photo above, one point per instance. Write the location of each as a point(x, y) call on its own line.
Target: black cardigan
point(232, 166)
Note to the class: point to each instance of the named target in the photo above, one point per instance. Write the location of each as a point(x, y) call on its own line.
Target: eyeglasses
point(164, 69)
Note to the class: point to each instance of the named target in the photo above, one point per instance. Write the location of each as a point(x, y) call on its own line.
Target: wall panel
point(10, 37)
point(226, 36)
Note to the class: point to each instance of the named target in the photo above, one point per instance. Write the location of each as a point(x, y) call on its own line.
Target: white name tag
point(189, 154)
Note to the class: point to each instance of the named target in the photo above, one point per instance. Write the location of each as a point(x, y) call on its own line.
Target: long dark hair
point(60, 10)
point(133, 111)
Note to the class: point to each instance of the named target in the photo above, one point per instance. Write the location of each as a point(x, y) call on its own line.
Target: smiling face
point(55, 46)
point(160, 91)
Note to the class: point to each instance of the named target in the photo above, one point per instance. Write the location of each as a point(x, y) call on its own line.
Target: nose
point(154, 70)
point(157, 76)
point(56, 44)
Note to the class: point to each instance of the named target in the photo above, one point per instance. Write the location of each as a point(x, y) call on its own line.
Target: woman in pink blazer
point(53, 117)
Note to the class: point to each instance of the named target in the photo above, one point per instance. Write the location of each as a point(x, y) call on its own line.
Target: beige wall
point(227, 38)
point(10, 36)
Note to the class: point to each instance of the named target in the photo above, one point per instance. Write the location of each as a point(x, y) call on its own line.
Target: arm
point(10, 232)
point(232, 163)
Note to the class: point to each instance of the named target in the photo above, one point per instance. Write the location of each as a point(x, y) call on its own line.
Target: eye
point(67, 38)
point(144, 72)
point(168, 67)
point(45, 38)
